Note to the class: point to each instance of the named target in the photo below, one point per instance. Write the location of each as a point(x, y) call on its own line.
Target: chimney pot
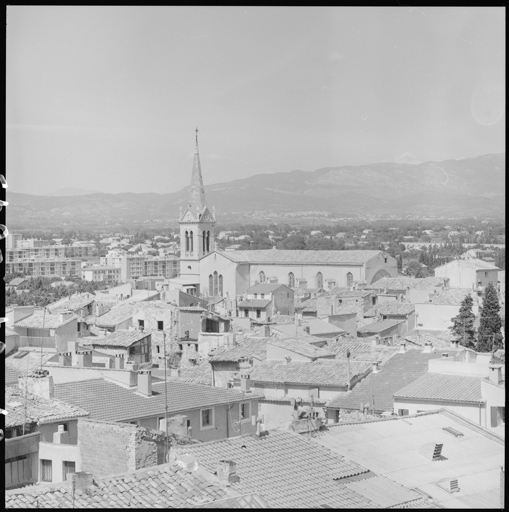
point(402, 347)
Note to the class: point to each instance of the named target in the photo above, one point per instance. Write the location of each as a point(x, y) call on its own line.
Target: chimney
point(72, 346)
point(287, 359)
point(64, 358)
point(245, 377)
point(187, 462)
point(84, 358)
point(449, 484)
point(428, 348)
point(61, 436)
point(145, 382)
point(375, 367)
point(82, 481)
point(65, 316)
point(174, 372)
point(39, 383)
point(266, 330)
point(119, 361)
point(227, 472)
point(402, 347)
point(495, 373)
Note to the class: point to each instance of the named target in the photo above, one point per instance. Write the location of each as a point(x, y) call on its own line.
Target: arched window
point(191, 248)
point(208, 241)
point(349, 279)
point(211, 285)
point(220, 285)
point(291, 280)
point(215, 283)
point(204, 242)
point(261, 277)
point(187, 242)
point(319, 280)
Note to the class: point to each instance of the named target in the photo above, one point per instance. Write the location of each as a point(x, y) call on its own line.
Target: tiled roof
point(10, 332)
point(199, 374)
point(316, 326)
point(107, 401)
point(163, 486)
point(346, 292)
point(119, 338)
point(30, 359)
point(391, 308)
point(391, 447)
point(73, 303)
point(34, 408)
point(402, 283)
point(379, 326)
point(302, 257)
point(473, 263)
point(309, 305)
point(361, 350)
point(39, 319)
point(264, 287)
point(250, 347)
point(435, 386)
point(452, 296)
point(397, 372)
point(253, 303)
point(440, 339)
point(251, 500)
point(322, 372)
point(17, 281)
point(286, 468)
point(116, 315)
point(300, 346)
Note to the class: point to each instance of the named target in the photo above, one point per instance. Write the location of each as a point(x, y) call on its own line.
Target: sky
point(107, 98)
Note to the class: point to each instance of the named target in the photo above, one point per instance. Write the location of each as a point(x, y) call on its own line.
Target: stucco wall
point(437, 316)
point(58, 453)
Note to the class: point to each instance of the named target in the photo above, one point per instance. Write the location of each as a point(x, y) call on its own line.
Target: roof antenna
point(196, 139)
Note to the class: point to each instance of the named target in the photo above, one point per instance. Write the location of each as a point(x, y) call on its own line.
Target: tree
point(463, 324)
point(490, 328)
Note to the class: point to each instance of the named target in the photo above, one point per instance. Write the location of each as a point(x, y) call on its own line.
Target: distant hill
point(452, 188)
point(73, 192)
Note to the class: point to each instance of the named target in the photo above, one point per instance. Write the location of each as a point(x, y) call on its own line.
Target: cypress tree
point(490, 328)
point(463, 324)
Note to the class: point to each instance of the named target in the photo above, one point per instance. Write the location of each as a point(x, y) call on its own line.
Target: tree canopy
point(490, 329)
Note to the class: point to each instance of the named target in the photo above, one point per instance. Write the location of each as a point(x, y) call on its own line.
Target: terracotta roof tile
point(301, 347)
point(108, 401)
point(397, 372)
point(39, 319)
point(435, 386)
point(248, 347)
point(119, 338)
point(285, 468)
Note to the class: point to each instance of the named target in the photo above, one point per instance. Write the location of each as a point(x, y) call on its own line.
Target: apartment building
point(45, 267)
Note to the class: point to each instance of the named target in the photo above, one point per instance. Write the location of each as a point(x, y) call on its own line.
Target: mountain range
point(451, 188)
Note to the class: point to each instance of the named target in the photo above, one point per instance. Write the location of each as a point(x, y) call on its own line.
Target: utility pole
point(166, 458)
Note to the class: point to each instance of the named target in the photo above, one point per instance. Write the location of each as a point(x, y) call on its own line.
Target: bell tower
point(196, 226)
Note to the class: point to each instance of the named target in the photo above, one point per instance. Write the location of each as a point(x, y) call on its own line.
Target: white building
point(469, 273)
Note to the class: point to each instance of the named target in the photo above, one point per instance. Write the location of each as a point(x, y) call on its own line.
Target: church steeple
point(196, 190)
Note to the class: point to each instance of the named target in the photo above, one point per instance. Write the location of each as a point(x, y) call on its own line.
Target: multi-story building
point(45, 267)
point(51, 251)
point(105, 274)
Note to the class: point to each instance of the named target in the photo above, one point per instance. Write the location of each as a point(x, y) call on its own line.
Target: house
point(438, 312)
point(412, 289)
point(281, 382)
point(293, 471)
point(174, 485)
point(130, 346)
point(474, 274)
point(281, 299)
point(297, 349)
point(378, 388)
point(119, 317)
point(439, 454)
point(41, 433)
point(149, 283)
point(394, 310)
point(333, 302)
point(154, 315)
point(383, 328)
point(225, 363)
point(18, 284)
point(474, 389)
point(211, 412)
point(82, 305)
point(308, 327)
point(47, 329)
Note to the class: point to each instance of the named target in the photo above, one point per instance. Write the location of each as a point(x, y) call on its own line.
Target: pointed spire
point(196, 191)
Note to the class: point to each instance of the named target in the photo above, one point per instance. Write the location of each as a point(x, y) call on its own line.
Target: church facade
point(208, 272)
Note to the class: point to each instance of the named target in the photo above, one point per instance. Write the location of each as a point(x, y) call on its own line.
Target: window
point(402, 412)
point(497, 416)
point(158, 349)
point(246, 313)
point(68, 468)
point(46, 470)
point(291, 280)
point(160, 325)
point(262, 295)
point(261, 277)
point(349, 279)
point(245, 410)
point(319, 280)
point(211, 285)
point(207, 418)
point(215, 283)
point(141, 323)
point(258, 313)
point(255, 295)
point(160, 423)
point(220, 285)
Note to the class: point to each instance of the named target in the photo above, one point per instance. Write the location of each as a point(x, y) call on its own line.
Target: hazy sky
point(107, 98)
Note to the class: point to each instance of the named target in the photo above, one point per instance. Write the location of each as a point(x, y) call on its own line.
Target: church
point(205, 271)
